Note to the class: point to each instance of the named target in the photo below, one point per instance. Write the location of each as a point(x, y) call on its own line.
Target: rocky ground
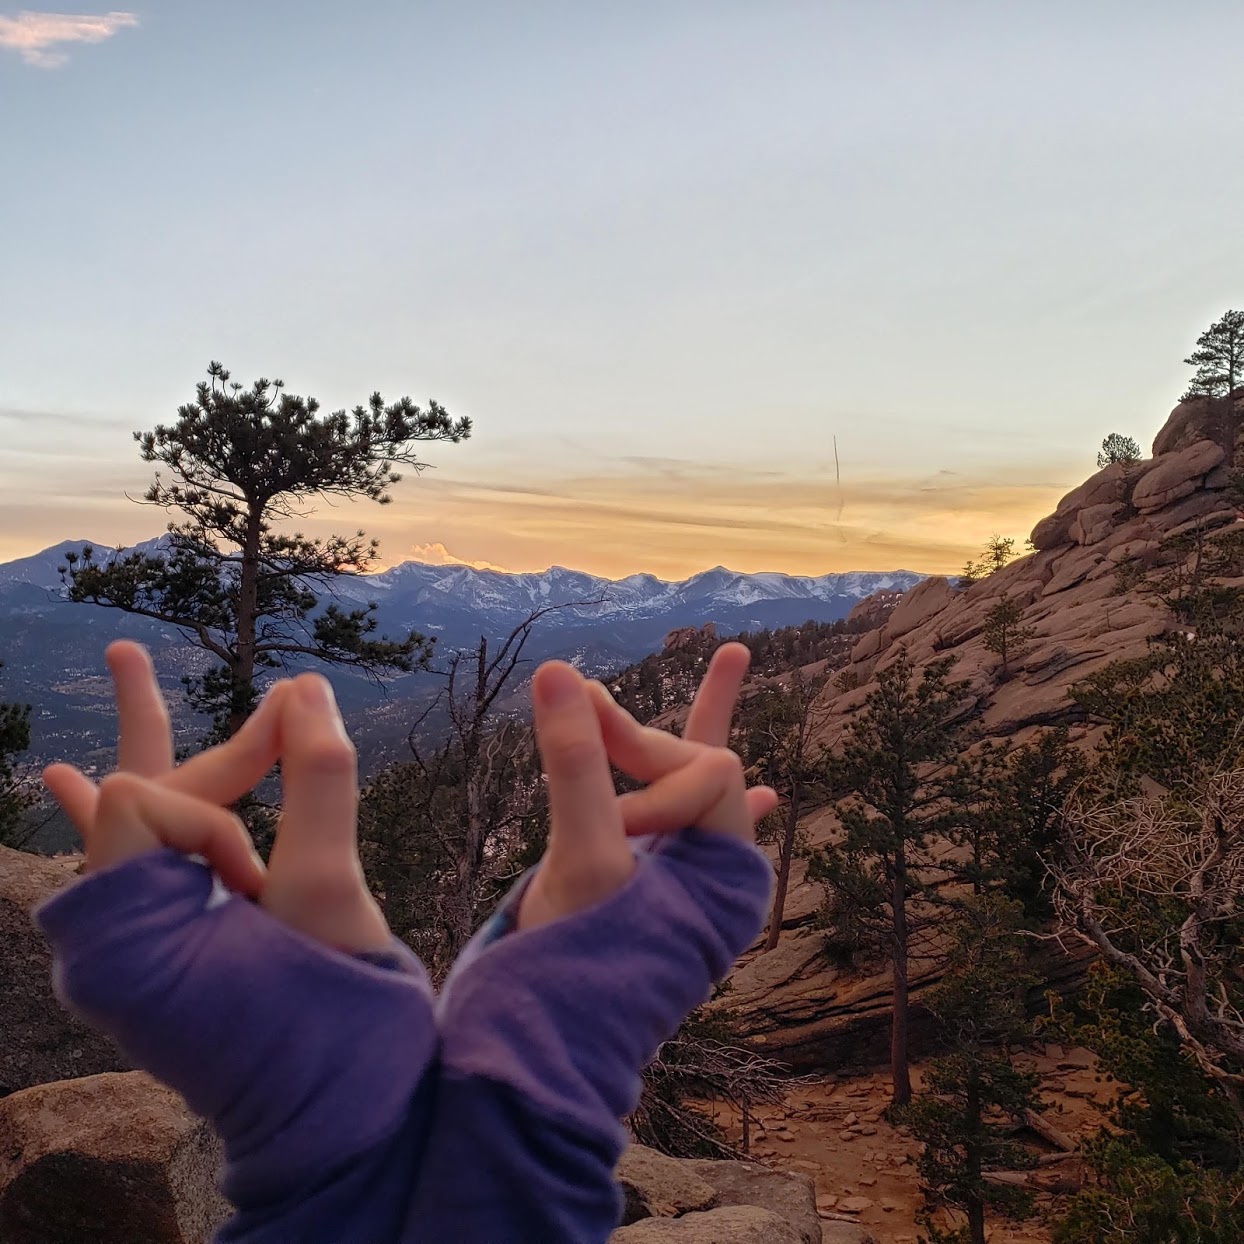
point(834, 1130)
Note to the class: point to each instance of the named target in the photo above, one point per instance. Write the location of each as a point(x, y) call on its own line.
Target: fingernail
point(557, 686)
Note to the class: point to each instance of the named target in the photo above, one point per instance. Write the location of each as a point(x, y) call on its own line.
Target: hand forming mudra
point(354, 1103)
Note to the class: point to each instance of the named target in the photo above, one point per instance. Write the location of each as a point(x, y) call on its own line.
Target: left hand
point(314, 881)
point(697, 781)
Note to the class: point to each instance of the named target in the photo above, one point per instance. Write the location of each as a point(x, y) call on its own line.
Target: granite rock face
point(793, 1003)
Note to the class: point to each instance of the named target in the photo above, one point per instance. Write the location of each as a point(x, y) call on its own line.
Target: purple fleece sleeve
point(309, 1062)
point(544, 1035)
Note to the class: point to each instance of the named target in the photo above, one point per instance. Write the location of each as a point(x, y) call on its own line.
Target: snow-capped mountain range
point(52, 650)
point(426, 590)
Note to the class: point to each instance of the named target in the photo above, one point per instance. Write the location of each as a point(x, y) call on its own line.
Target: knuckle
point(332, 755)
point(572, 750)
point(118, 788)
point(727, 765)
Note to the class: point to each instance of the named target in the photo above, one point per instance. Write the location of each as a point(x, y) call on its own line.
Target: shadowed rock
point(109, 1159)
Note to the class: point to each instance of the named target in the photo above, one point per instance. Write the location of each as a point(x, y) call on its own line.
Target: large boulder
point(918, 605)
point(733, 1224)
point(846, 1233)
point(42, 1041)
point(789, 1194)
point(1177, 475)
point(1095, 522)
point(1108, 487)
point(1200, 419)
point(658, 1186)
point(874, 611)
point(108, 1159)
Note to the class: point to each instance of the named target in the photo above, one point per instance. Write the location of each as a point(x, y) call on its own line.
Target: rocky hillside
point(1080, 597)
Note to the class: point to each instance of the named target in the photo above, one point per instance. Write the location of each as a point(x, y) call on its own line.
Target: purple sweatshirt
point(356, 1106)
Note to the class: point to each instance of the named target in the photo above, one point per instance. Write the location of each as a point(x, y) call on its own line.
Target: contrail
point(838, 480)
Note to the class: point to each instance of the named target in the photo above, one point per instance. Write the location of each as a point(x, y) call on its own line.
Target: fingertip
point(122, 650)
point(557, 685)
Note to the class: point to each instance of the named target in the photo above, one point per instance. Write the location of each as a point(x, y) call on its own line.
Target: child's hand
point(698, 781)
point(314, 881)
point(147, 802)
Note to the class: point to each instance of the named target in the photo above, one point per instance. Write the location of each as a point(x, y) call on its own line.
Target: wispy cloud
point(669, 518)
point(37, 37)
point(69, 420)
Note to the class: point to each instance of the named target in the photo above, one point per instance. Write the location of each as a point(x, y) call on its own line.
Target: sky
point(664, 253)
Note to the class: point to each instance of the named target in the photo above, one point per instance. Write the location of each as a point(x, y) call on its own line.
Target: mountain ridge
point(53, 650)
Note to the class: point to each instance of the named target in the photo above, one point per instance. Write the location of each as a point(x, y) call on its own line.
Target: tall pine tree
point(897, 775)
point(244, 463)
point(779, 731)
point(974, 1094)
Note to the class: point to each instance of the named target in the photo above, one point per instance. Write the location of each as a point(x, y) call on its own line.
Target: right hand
point(697, 781)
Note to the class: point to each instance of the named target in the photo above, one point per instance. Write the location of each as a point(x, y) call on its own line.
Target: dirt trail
point(834, 1130)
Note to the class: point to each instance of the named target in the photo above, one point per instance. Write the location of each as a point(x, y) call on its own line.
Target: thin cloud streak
point(34, 36)
point(673, 524)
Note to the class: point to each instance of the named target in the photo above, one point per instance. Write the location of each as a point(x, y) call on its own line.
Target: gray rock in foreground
point(734, 1224)
point(107, 1159)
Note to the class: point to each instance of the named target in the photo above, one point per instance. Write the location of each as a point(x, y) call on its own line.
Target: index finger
point(226, 772)
point(145, 742)
point(585, 825)
point(713, 708)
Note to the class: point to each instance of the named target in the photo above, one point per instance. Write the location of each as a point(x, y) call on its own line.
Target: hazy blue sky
point(662, 253)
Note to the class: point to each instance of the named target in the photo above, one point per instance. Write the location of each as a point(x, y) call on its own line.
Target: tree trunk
point(974, 1160)
point(976, 1223)
point(247, 622)
point(785, 855)
point(900, 1072)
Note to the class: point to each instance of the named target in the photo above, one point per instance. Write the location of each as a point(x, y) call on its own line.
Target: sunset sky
point(661, 252)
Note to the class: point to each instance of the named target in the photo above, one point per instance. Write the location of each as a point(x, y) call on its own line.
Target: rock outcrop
point(789, 1195)
point(1078, 596)
point(658, 1186)
point(723, 1202)
point(107, 1159)
point(42, 1041)
point(740, 1224)
point(684, 635)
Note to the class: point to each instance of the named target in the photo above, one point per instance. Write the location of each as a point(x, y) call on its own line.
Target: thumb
point(135, 815)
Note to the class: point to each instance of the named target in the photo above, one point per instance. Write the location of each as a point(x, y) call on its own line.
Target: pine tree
point(1218, 358)
point(1010, 805)
point(974, 1095)
point(998, 552)
point(896, 768)
point(241, 461)
point(1173, 714)
point(1118, 448)
point(1005, 633)
point(778, 732)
